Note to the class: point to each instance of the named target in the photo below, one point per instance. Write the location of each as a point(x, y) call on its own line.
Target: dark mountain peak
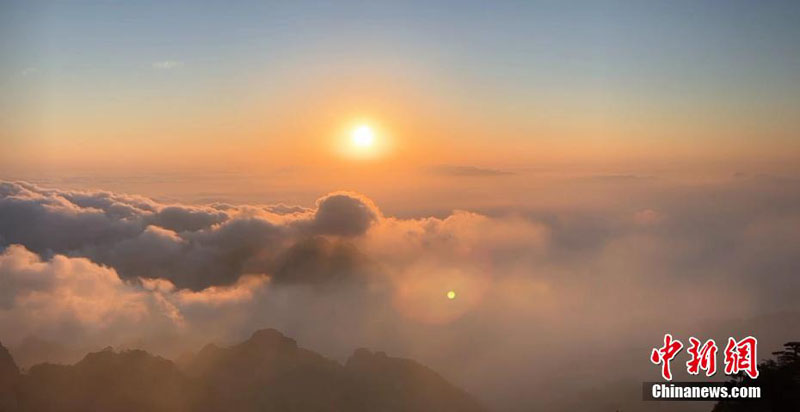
point(365, 355)
point(9, 379)
point(270, 338)
point(266, 351)
point(208, 350)
point(108, 362)
point(9, 372)
point(403, 384)
point(125, 381)
point(365, 360)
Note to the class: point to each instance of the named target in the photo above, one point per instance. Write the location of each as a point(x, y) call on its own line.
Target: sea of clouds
point(544, 298)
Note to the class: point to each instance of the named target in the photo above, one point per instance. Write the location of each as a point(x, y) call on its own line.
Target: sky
point(115, 87)
point(584, 176)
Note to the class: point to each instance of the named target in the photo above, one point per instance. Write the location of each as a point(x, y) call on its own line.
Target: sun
point(451, 294)
point(363, 140)
point(362, 136)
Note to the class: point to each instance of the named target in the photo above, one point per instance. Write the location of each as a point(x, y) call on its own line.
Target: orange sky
point(273, 92)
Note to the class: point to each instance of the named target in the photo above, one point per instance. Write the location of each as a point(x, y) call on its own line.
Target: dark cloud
point(46, 221)
point(281, 209)
point(344, 214)
point(191, 246)
point(619, 178)
point(181, 218)
point(319, 260)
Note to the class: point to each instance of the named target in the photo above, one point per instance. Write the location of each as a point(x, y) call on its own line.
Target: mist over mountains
point(267, 372)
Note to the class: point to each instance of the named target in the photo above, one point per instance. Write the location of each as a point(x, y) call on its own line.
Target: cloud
point(344, 214)
point(191, 246)
point(167, 64)
point(182, 218)
point(447, 170)
point(647, 217)
point(28, 71)
point(535, 287)
point(69, 296)
point(72, 301)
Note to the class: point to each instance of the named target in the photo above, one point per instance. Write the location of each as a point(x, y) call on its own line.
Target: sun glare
point(451, 294)
point(364, 140)
point(362, 136)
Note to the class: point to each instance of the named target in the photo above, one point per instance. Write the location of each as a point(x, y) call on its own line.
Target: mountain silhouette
point(397, 384)
point(267, 372)
point(9, 381)
point(131, 381)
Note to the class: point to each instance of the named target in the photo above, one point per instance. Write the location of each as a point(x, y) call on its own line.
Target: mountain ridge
point(267, 372)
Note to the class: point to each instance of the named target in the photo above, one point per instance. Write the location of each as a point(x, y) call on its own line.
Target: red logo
point(704, 357)
point(665, 354)
point(740, 356)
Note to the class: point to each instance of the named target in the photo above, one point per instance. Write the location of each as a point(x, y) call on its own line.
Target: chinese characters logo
point(739, 356)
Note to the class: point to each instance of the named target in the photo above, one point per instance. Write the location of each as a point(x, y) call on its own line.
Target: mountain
point(397, 384)
point(9, 381)
point(267, 372)
point(107, 381)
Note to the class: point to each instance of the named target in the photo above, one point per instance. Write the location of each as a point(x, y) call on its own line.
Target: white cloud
point(167, 64)
point(28, 71)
